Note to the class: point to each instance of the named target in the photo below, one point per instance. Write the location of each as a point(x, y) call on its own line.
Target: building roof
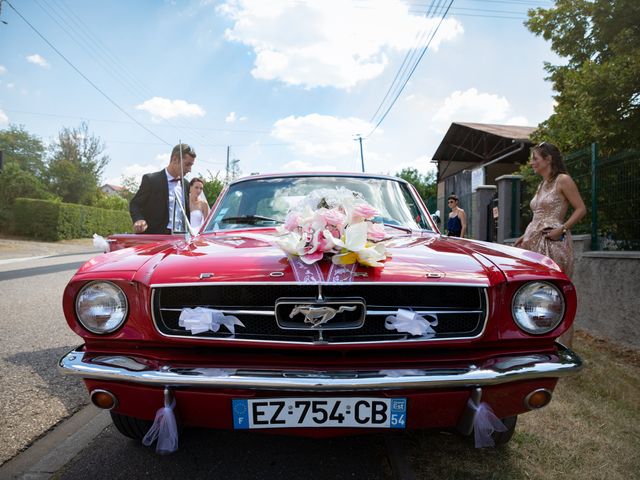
point(470, 145)
point(507, 131)
point(117, 188)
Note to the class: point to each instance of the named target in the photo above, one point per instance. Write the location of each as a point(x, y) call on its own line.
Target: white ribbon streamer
point(341, 273)
point(485, 423)
point(304, 272)
point(164, 429)
point(410, 322)
point(100, 243)
point(202, 319)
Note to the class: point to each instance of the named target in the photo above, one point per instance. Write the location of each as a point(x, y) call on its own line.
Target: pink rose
point(312, 257)
point(333, 217)
point(375, 232)
point(292, 222)
point(364, 211)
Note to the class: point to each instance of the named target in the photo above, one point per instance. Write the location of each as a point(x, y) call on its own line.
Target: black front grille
point(460, 310)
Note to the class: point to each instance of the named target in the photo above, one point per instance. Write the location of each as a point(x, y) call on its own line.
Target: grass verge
point(591, 429)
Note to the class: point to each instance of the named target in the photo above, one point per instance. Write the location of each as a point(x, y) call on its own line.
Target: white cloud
point(137, 171)
point(4, 120)
point(320, 136)
point(329, 43)
point(422, 164)
point(231, 117)
point(11, 86)
point(166, 109)
point(3, 69)
point(37, 60)
point(474, 106)
point(520, 121)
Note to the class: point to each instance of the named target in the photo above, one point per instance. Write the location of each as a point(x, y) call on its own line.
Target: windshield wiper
point(250, 219)
point(398, 227)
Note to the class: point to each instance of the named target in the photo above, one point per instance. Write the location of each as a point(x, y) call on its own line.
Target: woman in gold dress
point(548, 233)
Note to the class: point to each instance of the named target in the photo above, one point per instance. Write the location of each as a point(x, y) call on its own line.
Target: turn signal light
point(103, 399)
point(537, 399)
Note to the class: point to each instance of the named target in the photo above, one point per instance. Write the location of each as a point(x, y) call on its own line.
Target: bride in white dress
point(198, 205)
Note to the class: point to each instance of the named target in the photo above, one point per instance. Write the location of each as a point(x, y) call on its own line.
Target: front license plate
point(320, 412)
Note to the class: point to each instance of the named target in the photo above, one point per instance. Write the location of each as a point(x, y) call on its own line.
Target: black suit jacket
point(151, 202)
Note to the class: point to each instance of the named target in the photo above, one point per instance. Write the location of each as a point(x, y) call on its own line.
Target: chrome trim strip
point(494, 371)
point(421, 312)
point(268, 313)
point(369, 312)
point(429, 284)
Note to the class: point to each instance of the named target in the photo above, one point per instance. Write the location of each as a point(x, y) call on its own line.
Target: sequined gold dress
point(549, 210)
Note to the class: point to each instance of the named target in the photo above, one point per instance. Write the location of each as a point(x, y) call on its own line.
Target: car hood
point(253, 257)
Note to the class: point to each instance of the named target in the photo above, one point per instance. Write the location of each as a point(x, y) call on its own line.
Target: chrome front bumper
point(494, 371)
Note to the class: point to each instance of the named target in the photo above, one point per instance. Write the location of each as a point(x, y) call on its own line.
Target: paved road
point(33, 334)
point(34, 398)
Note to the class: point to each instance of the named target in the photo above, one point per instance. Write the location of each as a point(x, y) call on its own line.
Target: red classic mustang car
point(319, 304)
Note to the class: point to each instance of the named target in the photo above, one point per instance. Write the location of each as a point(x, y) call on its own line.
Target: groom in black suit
point(152, 206)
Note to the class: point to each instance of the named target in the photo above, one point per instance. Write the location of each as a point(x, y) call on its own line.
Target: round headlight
point(538, 307)
point(101, 307)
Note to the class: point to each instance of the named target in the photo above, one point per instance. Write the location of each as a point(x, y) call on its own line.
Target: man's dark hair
point(186, 150)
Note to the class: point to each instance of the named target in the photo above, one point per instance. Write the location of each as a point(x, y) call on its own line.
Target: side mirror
point(436, 216)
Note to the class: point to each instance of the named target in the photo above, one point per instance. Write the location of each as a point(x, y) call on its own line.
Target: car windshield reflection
point(265, 202)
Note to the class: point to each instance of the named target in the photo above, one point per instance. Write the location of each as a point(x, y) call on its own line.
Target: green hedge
point(50, 220)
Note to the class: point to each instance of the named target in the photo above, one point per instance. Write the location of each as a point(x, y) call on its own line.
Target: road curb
point(57, 448)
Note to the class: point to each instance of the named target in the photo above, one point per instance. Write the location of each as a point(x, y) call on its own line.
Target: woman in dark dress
point(457, 224)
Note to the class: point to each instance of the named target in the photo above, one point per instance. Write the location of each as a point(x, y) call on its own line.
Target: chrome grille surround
point(461, 310)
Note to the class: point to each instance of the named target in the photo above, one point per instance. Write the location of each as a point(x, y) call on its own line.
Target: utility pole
point(226, 178)
point(359, 138)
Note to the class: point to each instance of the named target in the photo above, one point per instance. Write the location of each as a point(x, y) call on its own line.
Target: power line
point(404, 84)
point(400, 70)
point(113, 102)
point(109, 63)
point(307, 133)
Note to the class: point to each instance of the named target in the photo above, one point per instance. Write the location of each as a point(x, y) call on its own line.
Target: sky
point(283, 85)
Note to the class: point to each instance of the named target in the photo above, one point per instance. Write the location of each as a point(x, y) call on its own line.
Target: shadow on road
point(206, 454)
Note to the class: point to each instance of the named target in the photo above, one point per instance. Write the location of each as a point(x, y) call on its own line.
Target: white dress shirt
point(175, 191)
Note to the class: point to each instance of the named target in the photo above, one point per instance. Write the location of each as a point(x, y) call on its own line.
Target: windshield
point(264, 202)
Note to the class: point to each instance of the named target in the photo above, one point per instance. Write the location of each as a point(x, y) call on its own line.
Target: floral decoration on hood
point(337, 222)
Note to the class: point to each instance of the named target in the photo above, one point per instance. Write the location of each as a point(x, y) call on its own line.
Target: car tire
point(131, 427)
point(502, 438)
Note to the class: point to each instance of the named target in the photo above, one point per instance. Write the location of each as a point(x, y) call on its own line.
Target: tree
point(111, 202)
point(212, 186)
point(23, 170)
point(23, 149)
point(76, 164)
point(130, 186)
point(598, 93)
point(425, 184)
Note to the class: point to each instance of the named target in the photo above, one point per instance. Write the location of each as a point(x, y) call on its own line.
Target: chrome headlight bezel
point(529, 289)
point(120, 298)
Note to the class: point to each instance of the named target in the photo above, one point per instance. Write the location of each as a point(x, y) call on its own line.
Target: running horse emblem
point(316, 316)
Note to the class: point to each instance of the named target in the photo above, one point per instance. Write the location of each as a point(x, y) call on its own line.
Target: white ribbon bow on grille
point(410, 322)
point(202, 319)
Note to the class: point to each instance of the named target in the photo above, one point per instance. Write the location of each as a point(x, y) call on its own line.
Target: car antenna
point(187, 225)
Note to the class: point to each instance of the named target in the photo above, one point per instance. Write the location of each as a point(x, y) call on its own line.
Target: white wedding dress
point(196, 218)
